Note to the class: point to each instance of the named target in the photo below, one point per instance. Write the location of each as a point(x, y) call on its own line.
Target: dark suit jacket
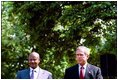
point(92, 72)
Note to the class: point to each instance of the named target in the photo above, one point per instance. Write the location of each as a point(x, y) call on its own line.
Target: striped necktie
point(32, 75)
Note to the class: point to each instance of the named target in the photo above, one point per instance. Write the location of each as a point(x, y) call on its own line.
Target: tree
point(55, 29)
point(15, 43)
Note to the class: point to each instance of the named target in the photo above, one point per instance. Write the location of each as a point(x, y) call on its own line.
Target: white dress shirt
point(36, 72)
point(84, 69)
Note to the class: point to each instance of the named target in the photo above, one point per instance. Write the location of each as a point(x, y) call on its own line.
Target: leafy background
point(54, 29)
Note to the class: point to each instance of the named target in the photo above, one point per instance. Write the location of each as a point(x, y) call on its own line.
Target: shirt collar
point(36, 69)
point(83, 65)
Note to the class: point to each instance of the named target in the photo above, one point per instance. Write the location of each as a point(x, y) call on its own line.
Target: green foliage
point(15, 44)
point(55, 29)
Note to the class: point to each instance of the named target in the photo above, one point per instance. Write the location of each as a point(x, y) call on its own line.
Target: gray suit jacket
point(92, 72)
point(25, 74)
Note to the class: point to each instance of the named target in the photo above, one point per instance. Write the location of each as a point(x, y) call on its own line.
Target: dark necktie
point(81, 73)
point(32, 75)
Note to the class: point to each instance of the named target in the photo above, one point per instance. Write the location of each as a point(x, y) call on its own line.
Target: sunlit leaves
point(55, 29)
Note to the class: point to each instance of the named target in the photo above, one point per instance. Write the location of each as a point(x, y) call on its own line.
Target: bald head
point(35, 54)
point(34, 60)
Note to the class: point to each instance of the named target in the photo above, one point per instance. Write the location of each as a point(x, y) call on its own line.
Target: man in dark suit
point(34, 72)
point(83, 70)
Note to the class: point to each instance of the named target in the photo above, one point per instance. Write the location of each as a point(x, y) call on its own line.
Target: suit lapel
point(88, 74)
point(76, 72)
point(42, 74)
point(27, 73)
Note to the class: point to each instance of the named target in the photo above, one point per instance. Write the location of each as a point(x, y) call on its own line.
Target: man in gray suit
point(34, 72)
point(83, 70)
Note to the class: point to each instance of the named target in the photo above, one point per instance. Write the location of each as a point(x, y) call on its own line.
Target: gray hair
point(86, 50)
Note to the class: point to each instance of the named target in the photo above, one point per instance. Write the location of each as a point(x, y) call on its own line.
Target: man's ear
point(87, 56)
point(75, 58)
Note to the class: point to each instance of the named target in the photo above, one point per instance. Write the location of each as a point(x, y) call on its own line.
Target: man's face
point(81, 57)
point(33, 61)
